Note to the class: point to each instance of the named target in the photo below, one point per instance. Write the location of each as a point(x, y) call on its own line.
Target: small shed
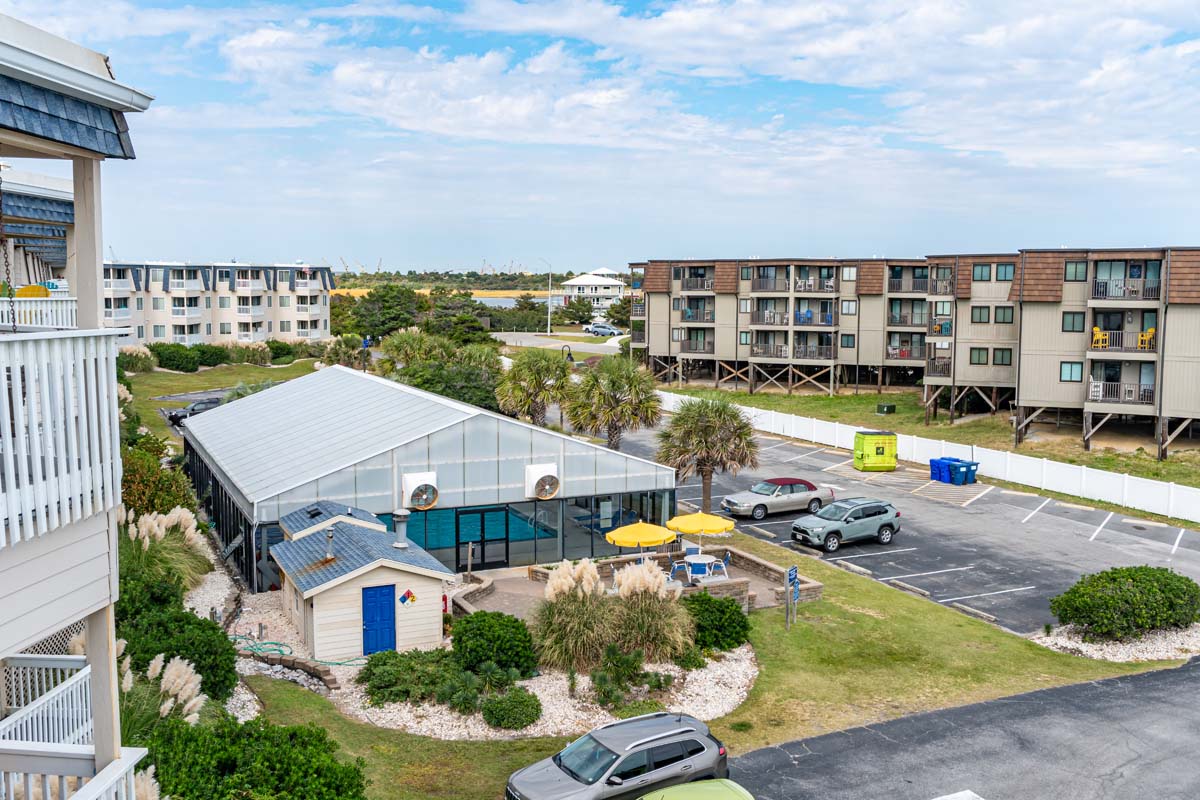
point(351, 588)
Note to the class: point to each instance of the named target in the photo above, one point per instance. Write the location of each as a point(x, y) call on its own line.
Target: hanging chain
point(12, 302)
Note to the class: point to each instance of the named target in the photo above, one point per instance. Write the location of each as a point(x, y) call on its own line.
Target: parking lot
point(986, 550)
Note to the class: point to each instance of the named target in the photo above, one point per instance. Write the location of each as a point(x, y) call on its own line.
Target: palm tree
point(480, 356)
point(613, 397)
point(406, 348)
point(707, 436)
point(536, 379)
point(344, 350)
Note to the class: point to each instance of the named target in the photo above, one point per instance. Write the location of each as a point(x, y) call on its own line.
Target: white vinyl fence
point(1156, 497)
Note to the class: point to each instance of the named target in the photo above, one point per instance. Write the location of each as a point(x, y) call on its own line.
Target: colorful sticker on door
point(408, 597)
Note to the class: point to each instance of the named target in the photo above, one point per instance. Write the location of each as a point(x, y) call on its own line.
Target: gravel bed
point(1157, 646)
point(249, 666)
point(266, 608)
point(718, 687)
point(243, 704)
point(214, 589)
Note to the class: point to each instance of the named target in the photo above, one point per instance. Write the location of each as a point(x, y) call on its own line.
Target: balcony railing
point(185, 311)
point(250, 311)
point(117, 285)
point(920, 285)
point(697, 284)
point(809, 317)
point(696, 346)
point(940, 326)
point(941, 286)
point(186, 285)
point(1127, 289)
point(308, 283)
point(637, 310)
point(39, 313)
point(249, 283)
point(769, 285)
point(62, 771)
point(117, 313)
point(938, 367)
point(187, 339)
point(815, 351)
point(59, 432)
point(637, 337)
point(1111, 392)
point(769, 318)
point(61, 714)
point(817, 285)
point(251, 336)
point(29, 677)
point(909, 353)
point(908, 319)
point(769, 350)
point(1124, 341)
point(697, 315)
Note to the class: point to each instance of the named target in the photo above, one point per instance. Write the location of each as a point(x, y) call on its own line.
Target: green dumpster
point(874, 451)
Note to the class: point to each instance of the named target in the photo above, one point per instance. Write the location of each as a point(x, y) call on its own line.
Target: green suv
point(850, 520)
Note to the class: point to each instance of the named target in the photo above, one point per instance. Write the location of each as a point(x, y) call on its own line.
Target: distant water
point(497, 302)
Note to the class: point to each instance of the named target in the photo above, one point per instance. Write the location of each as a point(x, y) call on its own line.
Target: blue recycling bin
point(972, 469)
point(958, 473)
point(935, 469)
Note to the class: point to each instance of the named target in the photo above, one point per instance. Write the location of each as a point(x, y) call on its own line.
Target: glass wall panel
point(609, 514)
point(610, 472)
point(268, 510)
point(577, 528)
point(579, 479)
point(523, 530)
point(337, 487)
point(373, 484)
point(513, 454)
point(297, 498)
point(439, 535)
point(549, 519)
point(480, 440)
point(446, 456)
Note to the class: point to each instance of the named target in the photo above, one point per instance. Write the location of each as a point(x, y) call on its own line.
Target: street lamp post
point(549, 289)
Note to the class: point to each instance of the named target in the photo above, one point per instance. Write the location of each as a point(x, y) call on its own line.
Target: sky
point(587, 133)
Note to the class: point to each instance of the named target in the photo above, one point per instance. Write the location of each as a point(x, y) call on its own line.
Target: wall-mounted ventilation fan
point(420, 490)
point(541, 481)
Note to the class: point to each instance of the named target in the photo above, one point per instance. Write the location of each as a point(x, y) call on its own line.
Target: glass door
point(481, 538)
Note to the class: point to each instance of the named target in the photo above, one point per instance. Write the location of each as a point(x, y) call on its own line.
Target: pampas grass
point(574, 623)
point(649, 617)
point(166, 547)
point(170, 690)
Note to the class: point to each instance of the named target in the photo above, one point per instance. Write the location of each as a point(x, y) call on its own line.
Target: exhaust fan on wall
point(541, 481)
point(420, 490)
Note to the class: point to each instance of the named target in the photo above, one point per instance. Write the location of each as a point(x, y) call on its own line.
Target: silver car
point(776, 495)
point(625, 760)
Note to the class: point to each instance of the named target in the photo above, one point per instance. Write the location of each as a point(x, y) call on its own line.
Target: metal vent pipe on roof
point(329, 544)
point(400, 519)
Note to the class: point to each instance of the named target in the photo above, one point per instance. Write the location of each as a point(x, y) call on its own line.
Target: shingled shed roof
point(1183, 280)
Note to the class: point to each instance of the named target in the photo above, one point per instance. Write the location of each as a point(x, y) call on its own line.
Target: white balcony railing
point(251, 336)
point(186, 285)
point(62, 715)
point(308, 283)
point(1138, 394)
point(117, 313)
point(59, 432)
point(116, 285)
point(187, 339)
point(61, 771)
point(186, 312)
point(46, 313)
point(250, 283)
point(250, 311)
point(28, 677)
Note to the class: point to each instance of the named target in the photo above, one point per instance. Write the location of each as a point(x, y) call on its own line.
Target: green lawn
point(864, 654)
point(401, 766)
point(1183, 467)
point(148, 385)
point(586, 339)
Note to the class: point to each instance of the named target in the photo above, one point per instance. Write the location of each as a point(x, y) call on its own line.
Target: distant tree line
point(454, 280)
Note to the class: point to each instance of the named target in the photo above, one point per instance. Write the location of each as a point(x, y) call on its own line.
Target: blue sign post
point(789, 607)
point(796, 592)
point(793, 574)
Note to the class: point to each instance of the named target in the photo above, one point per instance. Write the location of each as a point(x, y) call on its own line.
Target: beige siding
point(988, 336)
point(1044, 346)
point(1181, 362)
point(337, 614)
point(658, 324)
point(726, 327)
point(872, 314)
point(52, 581)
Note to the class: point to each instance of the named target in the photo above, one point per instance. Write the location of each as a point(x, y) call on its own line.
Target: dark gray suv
point(625, 760)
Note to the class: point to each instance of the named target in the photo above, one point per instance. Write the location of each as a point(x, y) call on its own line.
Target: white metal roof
point(589, 279)
point(310, 427)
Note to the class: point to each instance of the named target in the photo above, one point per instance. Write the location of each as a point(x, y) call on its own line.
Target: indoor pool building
point(483, 490)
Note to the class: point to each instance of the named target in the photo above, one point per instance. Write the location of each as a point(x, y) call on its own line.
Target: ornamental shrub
point(175, 357)
point(279, 349)
point(515, 709)
point(494, 636)
point(144, 595)
point(210, 355)
point(146, 486)
point(411, 676)
point(574, 623)
point(1128, 602)
point(647, 615)
point(282, 361)
point(255, 759)
point(720, 622)
point(135, 358)
point(175, 631)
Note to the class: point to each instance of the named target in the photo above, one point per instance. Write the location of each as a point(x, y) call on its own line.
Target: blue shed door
point(379, 618)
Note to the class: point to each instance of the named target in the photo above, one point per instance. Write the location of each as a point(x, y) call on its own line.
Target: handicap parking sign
point(793, 574)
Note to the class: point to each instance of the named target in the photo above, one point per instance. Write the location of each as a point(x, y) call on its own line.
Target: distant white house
point(598, 286)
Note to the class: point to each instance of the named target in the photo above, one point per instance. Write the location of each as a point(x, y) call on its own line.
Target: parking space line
point(880, 553)
point(986, 594)
point(1101, 525)
point(803, 455)
point(831, 486)
point(1039, 508)
point(920, 574)
point(976, 497)
point(1022, 494)
point(1177, 538)
point(761, 531)
point(922, 486)
point(715, 498)
point(841, 464)
point(772, 447)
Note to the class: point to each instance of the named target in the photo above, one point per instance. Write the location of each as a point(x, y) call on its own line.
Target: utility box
point(885, 408)
point(874, 451)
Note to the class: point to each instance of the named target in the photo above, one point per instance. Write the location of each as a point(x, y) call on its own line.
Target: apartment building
point(1033, 331)
point(60, 466)
point(161, 301)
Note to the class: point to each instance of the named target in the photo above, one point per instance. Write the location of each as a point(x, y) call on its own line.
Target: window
point(677, 273)
point(156, 276)
point(745, 273)
point(981, 314)
point(324, 299)
point(285, 326)
point(141, 329)
point(269, 300)
point(744, 305)
point(226, 328)
point(744, 337)
point(1002, 356)
point(1004, 272)
point(222, 276)
point(942, 308)
point(1070, 371)
point(981, 272)
point(285, 301)
point(208, 329)
point(1072, 321)
point(693, 748)
point(979, 355)
point(208, 302)
point(269, 324)
point(1004, 315)
point(849, 307)
point(848, 341)
point(849, 273)
point(667, 754)
point(634, 765)
point(676, 303)
point(139, 304)
point(222, 302)
point(676, 334)
point(160, 331)
point(1075, 271)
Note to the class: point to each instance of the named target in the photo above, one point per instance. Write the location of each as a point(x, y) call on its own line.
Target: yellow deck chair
point(1146, 340)
point(32, 291)
point(1099, 339)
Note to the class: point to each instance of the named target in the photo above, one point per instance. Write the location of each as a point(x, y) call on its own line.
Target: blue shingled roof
point(354, 547)
point(56, 117)
point(316, 513)
point(34, 207)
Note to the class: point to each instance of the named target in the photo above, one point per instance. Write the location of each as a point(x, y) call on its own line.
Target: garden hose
point(252, 645)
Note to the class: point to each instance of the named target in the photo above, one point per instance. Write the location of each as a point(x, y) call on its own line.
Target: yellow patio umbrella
point(699, 524)
point(640, 534)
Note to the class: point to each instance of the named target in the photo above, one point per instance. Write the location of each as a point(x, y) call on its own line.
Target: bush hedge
point(1128, 602)
point(254, 760)
point(720, 622)
point(280, 349)
point(141, 596)
point(175, 357)
point(517, 708)
point(411, 676)
point(175, 631)
point(210, 355)
point(494, 636)
point(146, 486)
